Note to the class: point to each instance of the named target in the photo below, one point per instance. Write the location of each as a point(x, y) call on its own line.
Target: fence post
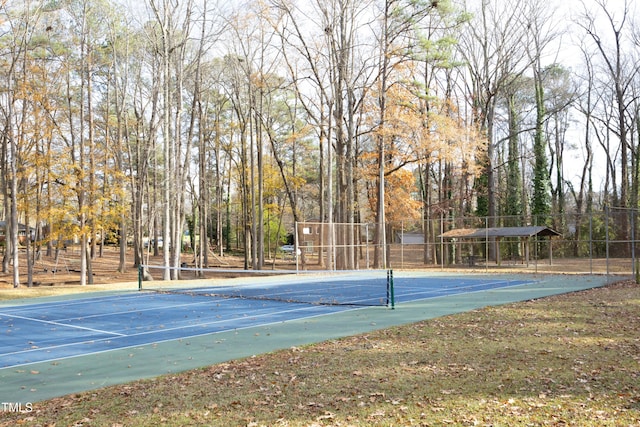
point(606, 239)
point(591, 242)
point(633, 242)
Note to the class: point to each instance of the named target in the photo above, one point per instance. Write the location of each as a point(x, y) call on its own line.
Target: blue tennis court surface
point(62, 329)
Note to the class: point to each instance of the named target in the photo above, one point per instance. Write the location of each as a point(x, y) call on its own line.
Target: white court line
point(169, 339)
point(49, 322)
point(73, 302)
point(204, 324)
point(156, 331)
point(461, 289)
point(137, 310)
point(208, 323)
point(203, 301)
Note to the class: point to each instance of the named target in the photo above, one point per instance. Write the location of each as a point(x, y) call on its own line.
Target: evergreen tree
point(541, 200)
point(513, 206)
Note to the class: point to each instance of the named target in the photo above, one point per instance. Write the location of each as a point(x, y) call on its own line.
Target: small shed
point(498, 233)
point(409, 238)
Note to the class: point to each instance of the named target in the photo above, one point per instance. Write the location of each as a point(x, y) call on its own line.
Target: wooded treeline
point(232, 120)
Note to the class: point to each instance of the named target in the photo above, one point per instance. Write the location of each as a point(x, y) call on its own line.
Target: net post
point(390, 292)
point(140, 274)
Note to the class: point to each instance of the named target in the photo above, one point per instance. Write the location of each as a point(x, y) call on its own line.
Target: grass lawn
point(568, 360)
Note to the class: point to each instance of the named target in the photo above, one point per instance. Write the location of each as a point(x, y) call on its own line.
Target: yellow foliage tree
point(417, 138)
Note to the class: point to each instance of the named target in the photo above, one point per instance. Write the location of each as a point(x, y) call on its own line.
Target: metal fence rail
point(603, 242)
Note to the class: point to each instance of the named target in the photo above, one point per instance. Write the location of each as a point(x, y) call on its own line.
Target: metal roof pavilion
point(498, 233)
point(480, 233)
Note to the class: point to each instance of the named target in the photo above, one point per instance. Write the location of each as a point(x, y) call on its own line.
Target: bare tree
point(349, 78)
point(620, 70)
point(307, 64)
point(541, 33)
point(585, 104)
point(20, 33)
point(172, 47)
point(494, 48)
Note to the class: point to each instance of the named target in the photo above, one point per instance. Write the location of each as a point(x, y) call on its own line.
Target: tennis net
point(361, 288)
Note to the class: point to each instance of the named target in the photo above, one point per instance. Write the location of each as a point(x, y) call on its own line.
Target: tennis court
point(59, 346)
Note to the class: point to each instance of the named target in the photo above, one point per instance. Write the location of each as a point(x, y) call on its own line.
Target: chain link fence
point(604, 242)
